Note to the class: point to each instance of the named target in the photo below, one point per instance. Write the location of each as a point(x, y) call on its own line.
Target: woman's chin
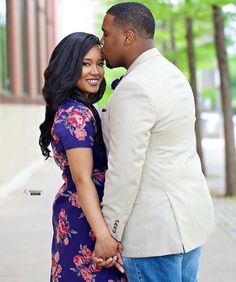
point(93, 91)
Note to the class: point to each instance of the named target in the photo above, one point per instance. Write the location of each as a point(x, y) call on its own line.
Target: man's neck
point(138, 50)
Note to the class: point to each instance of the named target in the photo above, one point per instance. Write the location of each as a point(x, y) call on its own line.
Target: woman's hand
point(115, 261)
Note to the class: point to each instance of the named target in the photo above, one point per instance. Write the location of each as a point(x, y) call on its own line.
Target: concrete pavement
point(25, 233)
point(219, 254)
point(25, 220)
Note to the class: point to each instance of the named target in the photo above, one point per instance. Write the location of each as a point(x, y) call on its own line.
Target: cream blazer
point(156, 200)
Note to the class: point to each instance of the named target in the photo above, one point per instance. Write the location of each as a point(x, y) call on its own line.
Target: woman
point(73, 82)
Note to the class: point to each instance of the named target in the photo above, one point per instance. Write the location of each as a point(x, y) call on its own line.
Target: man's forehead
point(108, 21)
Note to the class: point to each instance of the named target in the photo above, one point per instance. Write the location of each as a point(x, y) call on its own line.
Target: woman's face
point(92, 71)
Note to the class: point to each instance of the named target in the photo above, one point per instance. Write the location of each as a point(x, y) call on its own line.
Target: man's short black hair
point(135, 16)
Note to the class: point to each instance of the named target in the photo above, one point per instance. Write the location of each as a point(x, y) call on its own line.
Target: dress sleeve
point(75, 127)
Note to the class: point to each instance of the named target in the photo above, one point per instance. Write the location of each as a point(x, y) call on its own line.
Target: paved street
point(219, 254)
point(25, 234)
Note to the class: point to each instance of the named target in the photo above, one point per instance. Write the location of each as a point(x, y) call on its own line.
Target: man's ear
point(129, 37)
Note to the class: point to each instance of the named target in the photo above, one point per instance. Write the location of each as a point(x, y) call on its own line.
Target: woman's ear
point(129, 37)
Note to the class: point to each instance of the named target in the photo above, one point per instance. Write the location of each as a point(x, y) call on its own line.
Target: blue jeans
point(170, 268)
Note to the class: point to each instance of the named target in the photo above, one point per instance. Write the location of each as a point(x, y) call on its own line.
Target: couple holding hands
point(134, 204)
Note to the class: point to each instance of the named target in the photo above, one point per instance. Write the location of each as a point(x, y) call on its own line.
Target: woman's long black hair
point(62, 73)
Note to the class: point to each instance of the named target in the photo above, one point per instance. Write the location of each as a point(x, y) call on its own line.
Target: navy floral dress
point(73, 240)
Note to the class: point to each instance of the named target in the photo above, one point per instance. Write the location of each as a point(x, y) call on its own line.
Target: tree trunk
point(164, 42)
point(230, 161)
point(193, 82)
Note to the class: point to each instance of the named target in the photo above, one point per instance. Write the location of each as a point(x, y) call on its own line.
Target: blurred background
point(198, 36)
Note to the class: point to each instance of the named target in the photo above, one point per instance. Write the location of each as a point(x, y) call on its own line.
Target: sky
point(2, 12)
point(76, 15)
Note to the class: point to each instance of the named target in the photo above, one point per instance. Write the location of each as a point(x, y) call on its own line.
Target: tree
point(193, 81)
point(203, 56)
point(230, 162)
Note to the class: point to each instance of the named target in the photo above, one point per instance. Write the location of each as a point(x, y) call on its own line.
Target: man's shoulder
point(131, 82)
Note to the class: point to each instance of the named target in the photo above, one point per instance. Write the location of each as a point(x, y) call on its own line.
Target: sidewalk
point(25, 233)
point(219, 254)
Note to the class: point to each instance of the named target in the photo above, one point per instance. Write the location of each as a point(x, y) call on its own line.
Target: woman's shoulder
point(71, 107)
point(73, 122)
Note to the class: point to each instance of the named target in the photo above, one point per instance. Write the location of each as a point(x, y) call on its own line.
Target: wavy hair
point(60, 77)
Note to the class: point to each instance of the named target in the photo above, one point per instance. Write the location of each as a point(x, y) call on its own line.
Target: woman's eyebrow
point(88, 59)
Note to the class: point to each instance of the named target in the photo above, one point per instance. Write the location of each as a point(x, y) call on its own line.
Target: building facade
point(27, 38)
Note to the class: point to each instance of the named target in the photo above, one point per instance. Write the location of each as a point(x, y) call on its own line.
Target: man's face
point(112, 41)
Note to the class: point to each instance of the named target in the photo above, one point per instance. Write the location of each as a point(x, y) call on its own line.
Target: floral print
point(63, 187)
point(92, 235)
point(56, 268)
point(74, 120)
point(60, 159)
point(73, 198)
point(84, 266)
point(63, 231)
point(73, 240)
point(98, 176)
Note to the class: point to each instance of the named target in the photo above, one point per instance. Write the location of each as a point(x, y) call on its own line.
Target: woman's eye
point(86, 64)
point(101, 64)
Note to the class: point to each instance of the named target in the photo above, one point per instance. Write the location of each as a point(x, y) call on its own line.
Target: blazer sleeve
point(131, 117)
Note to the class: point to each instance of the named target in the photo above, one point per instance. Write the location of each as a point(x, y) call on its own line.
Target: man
point(156, 199)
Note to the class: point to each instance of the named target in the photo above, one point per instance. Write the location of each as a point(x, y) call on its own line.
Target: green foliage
point(234, 106)
point(232, 69)
point(3, 56)
point(171, 15)
point(219, 3)
point(110, 75)
point(210, 94)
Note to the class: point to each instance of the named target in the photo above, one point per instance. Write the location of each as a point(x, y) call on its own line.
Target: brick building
point(27, 38)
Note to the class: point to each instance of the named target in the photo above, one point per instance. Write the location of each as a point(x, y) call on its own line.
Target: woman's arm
point(81, 166)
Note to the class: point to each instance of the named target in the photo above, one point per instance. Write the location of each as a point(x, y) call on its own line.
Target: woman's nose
point(94, 70)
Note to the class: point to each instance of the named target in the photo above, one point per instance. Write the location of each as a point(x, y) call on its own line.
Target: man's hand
point(106, 246)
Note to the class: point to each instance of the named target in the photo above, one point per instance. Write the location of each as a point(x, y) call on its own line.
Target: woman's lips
point(93, 82)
